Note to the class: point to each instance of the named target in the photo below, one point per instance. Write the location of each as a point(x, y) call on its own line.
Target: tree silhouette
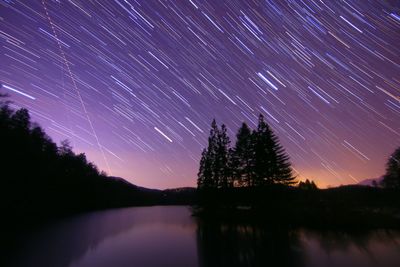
point(214, 170)
point(307, 185)
point(257, 159)
point(65, 148)
point(271, 163)
point(205, 171)
point(262, 142)
point(212, 155)
point(242, 157)
point(208, 174)
point(223, 159)
point(42, 180)
point(21, 120)
point(392, 177)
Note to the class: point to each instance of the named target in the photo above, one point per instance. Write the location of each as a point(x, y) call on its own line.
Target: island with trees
point(253, 180)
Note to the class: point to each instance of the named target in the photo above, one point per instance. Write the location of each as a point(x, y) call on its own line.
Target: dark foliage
point(242, 157)
point(246, 244)
point(214, 171)
point(42, 180)
point(259, 188)
point(256, 160)
point(271, 163)
point(392, 176)
point(307, 185)
point(279, 205)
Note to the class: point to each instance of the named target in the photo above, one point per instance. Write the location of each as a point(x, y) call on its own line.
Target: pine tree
point(200, 173)
point(212, 155)
point(281, 166)
point(204, 175)
point(242, 157)
point(271, 163)
point(208, 174)
point(392, 177)
point(262, 154)
point(222, 159)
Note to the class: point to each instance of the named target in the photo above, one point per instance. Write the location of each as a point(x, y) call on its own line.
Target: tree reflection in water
point(170, 236)
point(247, 245)
point(234, 244)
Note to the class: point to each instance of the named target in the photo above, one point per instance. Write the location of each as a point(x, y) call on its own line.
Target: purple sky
point(135, 84)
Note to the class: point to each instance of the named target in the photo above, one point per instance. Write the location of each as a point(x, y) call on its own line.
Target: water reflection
point(148, 236)
point(254, 245)
point(169, 236)
point(247, 245)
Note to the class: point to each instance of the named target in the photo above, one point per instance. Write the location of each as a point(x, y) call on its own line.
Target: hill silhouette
point(42, 180)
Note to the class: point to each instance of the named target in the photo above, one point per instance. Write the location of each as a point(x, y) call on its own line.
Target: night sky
point(135, 84)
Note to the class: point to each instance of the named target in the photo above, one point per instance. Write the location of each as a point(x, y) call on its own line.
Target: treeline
point(391, 179)
point(256, 160)
point(42, 180)
point(252, 181)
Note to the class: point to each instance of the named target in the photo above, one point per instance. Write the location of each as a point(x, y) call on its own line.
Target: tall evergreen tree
point(283, 171)
point(262, 154)
point(200, 173)
point(208, 174)
point(271, 163)
point(204, 175)
point(392, 177)
point(212, 155)
point(222, 159)
point(242, 157)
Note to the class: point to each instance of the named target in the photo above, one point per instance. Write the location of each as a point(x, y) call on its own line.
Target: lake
point(170, 236)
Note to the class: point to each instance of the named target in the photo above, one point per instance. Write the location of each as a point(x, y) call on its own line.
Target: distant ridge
point(133, 186)
point(370, 181)
point(170, 196)
point(146, 189)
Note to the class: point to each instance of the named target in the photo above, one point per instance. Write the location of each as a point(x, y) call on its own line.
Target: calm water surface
point(169, 236)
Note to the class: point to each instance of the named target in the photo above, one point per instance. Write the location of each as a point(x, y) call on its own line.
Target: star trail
point(135, 84)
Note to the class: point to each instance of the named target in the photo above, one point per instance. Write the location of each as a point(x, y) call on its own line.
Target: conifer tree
point(222, 159)
point(271, 163)
point(204, 175)
point(392, 177)
point(200, 173)
point(262, 154)
point(242, 157)
point(208, 174)
point(281, 167)
point(212, 155)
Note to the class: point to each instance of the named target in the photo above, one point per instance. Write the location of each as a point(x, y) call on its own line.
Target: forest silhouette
point(252, 180)
point(42, 180)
